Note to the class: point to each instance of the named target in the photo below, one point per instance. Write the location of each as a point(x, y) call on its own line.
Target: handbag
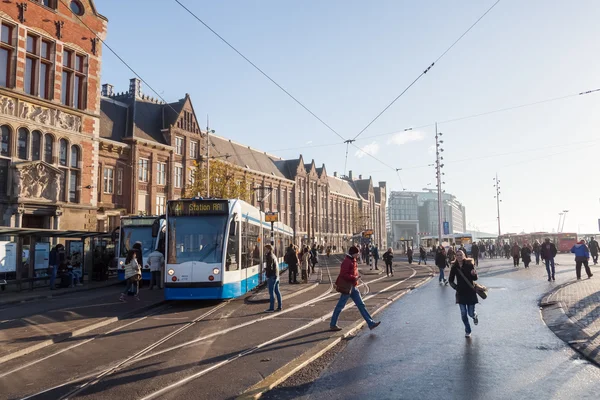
point(343, 286)
point(479, 289)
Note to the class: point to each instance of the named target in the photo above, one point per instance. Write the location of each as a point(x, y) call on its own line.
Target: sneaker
point(441, 283)
point(549, 280)
point(335, 328)
point(375, 325)
point(446, 282)
point(270, 310)
point(553, 278)
point(278, 309)
point(122, 298)
point(467, 335)
point(590, 275)
point(476, 319)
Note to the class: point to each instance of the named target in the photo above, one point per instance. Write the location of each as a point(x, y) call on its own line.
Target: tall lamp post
point(497, 197)
point(562, 227)
point(438, 175)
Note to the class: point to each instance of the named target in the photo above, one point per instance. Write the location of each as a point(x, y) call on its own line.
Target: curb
point(58, 294)
point(283, 373)
point(67, 335)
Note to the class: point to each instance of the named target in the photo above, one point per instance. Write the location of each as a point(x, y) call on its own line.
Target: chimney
point(107, 90)
point(135, 87)
point(360, 177)
point(350, 175)
point(335, 174)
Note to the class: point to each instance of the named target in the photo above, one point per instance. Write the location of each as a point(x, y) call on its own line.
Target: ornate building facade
point(50, 66)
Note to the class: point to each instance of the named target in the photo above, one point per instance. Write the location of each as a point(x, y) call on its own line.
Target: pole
point(559, 218)
point(562, 228)
point(207, 158)
point(498, 204)
point(439, 184)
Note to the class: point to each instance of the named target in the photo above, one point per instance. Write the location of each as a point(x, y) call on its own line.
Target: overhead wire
point(426, 70)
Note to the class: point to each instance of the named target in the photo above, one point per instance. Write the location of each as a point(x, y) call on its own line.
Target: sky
point(346, 60)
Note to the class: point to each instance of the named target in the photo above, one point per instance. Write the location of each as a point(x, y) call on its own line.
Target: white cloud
point(401, 138)
point(371, 148)
point(309, 142)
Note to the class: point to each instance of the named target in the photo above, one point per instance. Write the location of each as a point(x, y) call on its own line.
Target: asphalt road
point(423, 354)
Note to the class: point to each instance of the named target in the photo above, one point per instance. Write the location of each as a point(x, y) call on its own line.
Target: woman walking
point(466, 298)
point(387, 258)
point(272, 273)
point(526, 255)
point(349, 276)
point(516, 254)
point(440, 261)
point(409, 253)
point(133, 274)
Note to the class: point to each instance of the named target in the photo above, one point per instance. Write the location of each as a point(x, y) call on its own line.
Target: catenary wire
point(425, 71)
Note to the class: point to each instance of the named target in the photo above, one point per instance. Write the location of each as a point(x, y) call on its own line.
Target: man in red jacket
point(349, 274)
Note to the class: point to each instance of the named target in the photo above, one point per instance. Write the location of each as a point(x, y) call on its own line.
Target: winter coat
point(422, 252)
point(375, 253)
point(409, 252)
point(349, 270)
point(305, 261)
point(594, 247)
point(132, 269)
point(516, 251)
point(548, 250)
point(581, 250)
point(440, 259)
point(272, 266)
point(474, 250)
point(291, 258)
point(465, 294)
point(536, 247)
point(526, 253)
point(314, 256)
point(388, 256)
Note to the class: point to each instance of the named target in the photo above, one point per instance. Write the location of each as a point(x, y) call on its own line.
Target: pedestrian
point(375, 254)
point(409, 253)
point(582, 255)
point(291, 259)
point(349, 276)
point(594, 249)
point(56, 257)
point(526, 255)
point(482, 250)
point(451, 255)
point(422, 255)
point(133, 275)
point(314, 257)
point(272, 274)
point(462, 248)
point(548, 252)
point(440, 261)
point(536, 251)
point(516, 254)
point(466, 297)
point(156, 263)
point(507, 250)
point(305, 259)
point(387, 258)
point(475, 254)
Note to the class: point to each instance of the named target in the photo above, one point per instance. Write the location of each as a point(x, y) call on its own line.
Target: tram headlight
point(216, 271)
point(171, 272)
point(121, 262)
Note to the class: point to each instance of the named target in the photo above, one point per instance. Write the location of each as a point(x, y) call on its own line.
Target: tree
point(226, 181)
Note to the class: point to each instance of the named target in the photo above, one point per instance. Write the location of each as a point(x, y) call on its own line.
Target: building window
point(109, 180)
point(4, 141)
point(160, 205)
point(39, 67)
point(142, 202)
point(76, 7)
point(7, 50)
point(161, 173)
point(119, 181)
point(178, 145)
point(48, 3)
point(194, 150)
point(36, 144)
point(74, 175)
point(23, 144)
point(178, 176)
point(143, 170)
point(62, 152)
point(73, 79)
point(48, 149)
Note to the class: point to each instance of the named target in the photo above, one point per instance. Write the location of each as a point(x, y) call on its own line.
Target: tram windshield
point(132, 234)
point(196, 238)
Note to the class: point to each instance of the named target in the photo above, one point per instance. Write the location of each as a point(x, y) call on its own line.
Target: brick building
point(50, 65)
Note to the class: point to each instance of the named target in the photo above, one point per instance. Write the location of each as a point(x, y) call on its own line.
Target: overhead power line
point(426, 70)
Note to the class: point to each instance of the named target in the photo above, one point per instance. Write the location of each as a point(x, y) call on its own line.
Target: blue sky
point(346, 60)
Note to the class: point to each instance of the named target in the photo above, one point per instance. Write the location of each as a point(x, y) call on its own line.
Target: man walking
point(594, 249)
point(422, 255)
point(582, 255)
point(475, 253)
point(548, 253)
point(536, 250)
point(156, 262)
point(375, 253)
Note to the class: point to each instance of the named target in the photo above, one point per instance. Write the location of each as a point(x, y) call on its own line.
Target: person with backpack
point(387, 258)
point(594, 249)
point(272, 274)
point(291, 259)
point(346, 284)
point(464, 272)
point(548, 252)
point(133, 275)
point(440, 261)
point(582, 255)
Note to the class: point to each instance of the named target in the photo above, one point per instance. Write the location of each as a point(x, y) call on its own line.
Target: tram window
point(233, 244)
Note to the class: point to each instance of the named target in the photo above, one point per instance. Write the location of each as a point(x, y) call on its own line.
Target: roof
point(341, 186)
point(244, 156)
point(113, 119)
point(363, 186)
point(148, 121)
point(172, 112)
point(45, 233)
point(288, 167)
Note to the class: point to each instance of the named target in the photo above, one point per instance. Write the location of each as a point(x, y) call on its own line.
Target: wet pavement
point(422, 352)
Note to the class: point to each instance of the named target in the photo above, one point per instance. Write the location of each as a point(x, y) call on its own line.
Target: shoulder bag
point(343, 286)
point(481, 290)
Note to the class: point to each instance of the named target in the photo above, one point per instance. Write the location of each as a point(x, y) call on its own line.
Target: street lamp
point(563, 221)
point(438, 175)
point(497, 197)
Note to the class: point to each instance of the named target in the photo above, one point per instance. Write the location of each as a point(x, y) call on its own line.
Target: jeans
point(578, 262)
point(376, 259)
point(537, 258)
point(550, 262)
point(53, 276)
point(131, 287)
point(441, 273)
point(155, 279)
point(464, 310)
point(424, 259)
point(388, 268)
point(77, 274)
point(355, 295)
point(410, 259)
point(476, 259)
point(274, 287)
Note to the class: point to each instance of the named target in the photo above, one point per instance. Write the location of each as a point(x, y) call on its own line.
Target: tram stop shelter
point(25, 269)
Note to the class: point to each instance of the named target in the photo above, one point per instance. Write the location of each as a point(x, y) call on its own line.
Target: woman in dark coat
point(466, 298)
point(440, 261)
point(526, 255)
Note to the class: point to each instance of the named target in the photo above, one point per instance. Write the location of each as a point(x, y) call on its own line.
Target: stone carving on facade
point(36, 181)
point(40, 115)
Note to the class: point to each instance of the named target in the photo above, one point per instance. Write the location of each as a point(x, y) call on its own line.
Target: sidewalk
point(24, 335)
point(572, 312)
point(287, 290)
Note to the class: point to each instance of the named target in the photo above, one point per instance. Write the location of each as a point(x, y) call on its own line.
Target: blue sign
point(446, 228)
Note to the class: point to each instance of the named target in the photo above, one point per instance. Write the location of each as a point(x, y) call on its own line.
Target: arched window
point(36, 144)
point(49, 149)
point(74, 157)
point(62, 154)
point(23, 144)
point(4, 141)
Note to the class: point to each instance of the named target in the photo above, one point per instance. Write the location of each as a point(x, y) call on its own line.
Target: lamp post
point(560, 215)
point(563, 221)
point(497, 197)
point(438, 174)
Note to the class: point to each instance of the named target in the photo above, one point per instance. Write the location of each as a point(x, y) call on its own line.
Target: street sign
point(368, 233)
point(271, 217)
point(446, 228)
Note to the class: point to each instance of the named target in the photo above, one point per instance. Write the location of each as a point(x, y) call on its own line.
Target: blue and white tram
point(136, 229)
point(215, 247)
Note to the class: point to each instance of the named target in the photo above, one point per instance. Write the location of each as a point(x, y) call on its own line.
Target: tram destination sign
point(198, 207)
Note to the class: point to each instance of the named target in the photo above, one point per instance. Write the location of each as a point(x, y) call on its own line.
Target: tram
point(136, 229)
point(215, 248)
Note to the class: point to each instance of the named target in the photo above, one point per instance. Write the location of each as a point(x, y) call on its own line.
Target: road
point(423, 354)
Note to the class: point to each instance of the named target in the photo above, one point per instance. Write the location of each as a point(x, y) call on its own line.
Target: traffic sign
point(271, 217)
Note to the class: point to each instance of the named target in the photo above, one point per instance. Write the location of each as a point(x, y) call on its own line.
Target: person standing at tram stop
point(375, 254)
point(548, 253)
point(475, 253)
point(582, 255)
point(56, 257)
point(440, 261)
point(133, 275)
point(594, 249)
point(349, 274)
point(466, 298)
point(388, 256)
point(409, 253)
point(272, 273)
point(314, 258)
point(305, 260)
point(291, 259)
point(156, 263)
